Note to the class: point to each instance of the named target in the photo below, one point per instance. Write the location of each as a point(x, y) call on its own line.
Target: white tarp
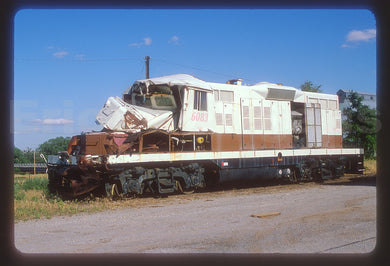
point(117, 115)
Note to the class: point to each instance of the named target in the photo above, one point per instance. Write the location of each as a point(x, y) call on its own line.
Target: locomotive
point(175, 134)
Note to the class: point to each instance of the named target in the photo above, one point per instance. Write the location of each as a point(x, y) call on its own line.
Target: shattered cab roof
point(179, 80)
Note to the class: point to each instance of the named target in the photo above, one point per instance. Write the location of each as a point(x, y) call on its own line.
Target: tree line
point(50, 147)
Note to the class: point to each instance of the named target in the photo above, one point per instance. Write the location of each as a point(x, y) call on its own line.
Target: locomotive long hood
point(117, 115)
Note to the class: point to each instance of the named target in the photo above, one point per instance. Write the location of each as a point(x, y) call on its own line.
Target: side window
point(200, 100)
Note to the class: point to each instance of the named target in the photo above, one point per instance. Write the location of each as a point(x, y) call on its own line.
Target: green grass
point(36, 183)
point(370, 166)
point(32, 200)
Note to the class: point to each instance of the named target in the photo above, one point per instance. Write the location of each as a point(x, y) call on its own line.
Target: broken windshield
point(156, 97)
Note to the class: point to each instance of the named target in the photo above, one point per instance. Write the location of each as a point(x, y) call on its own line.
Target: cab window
point(200, 100)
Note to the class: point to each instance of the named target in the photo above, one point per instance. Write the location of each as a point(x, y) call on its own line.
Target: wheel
point(113, 191)
point(180, 190)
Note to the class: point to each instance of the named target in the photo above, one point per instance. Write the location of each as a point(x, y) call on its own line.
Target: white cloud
point(174, 40)
point(60, 54)
point(147, 41)
point(48, 121)
point(358, 35)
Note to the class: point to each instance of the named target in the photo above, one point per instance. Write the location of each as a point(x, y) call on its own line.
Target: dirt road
point(337, 216)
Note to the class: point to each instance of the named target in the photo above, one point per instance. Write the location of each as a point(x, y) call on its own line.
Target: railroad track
point(29, 167)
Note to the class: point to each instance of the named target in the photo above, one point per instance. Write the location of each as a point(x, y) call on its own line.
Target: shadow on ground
point(361, 180)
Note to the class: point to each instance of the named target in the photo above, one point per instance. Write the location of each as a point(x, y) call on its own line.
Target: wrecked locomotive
point(178, 133)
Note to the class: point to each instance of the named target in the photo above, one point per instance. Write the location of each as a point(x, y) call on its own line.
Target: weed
point(35, 198)
point(370, 166)
point(19, 195)
point(38, 183)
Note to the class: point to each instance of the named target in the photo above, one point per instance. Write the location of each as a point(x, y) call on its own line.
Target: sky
point(68, 62)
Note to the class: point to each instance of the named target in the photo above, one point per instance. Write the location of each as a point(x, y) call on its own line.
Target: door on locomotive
point(298, 120)
point(313, 125)
point(195, 114)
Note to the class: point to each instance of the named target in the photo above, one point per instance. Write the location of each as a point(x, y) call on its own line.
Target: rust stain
point(124, 147)
point(133, 122)
point(73, 142)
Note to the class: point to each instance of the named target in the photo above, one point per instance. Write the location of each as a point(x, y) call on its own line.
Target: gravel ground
point(334, 217)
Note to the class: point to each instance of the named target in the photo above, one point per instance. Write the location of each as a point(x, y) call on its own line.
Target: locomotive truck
point(178, 133)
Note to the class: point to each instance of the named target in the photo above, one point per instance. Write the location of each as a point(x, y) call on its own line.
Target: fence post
point(34, 162)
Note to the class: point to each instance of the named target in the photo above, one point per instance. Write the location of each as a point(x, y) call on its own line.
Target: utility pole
point(147, 66)
point(34, 162)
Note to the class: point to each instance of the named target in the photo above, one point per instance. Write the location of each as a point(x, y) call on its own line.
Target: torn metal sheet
point(117, 115)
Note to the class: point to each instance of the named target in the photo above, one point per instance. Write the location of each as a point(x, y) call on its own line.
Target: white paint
point(206, 155)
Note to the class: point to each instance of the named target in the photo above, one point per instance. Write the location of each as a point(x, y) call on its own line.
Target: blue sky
point(68, 62)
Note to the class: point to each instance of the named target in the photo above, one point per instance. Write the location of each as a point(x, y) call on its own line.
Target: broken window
point(160, 89)
point(142, 100)
point(200, 100)
point(155, 97)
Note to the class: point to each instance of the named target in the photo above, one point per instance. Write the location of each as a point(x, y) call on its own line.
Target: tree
point(50, 147)
point(26, 156)
point(53, 146)
point(309, 86)
point(19, 156)
point(360, 126)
